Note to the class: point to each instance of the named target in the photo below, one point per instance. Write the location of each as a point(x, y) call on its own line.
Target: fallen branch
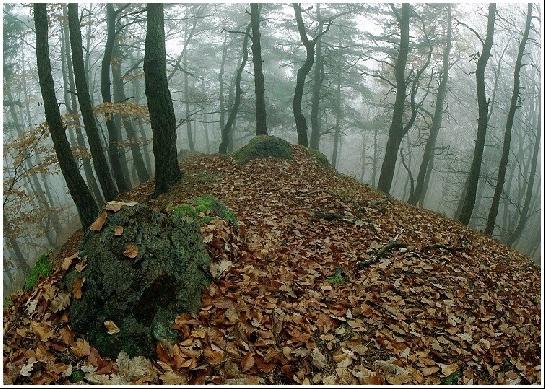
point(381, 253)
point(444, 247)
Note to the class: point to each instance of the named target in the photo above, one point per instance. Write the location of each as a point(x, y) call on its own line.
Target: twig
point(393, 244)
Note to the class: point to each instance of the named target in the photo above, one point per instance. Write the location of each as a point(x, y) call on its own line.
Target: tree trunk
point(226, 132)
point(300, 121)
point(395, 133)
point(315, 122)
point(163, 121)
point(114, 132)
point(420, 189)
point(190, 140)
point(338, 113)
point(119, 96)
point(72, 107)
point(99, 160)
point(523, 218)
point(85, 204)
point(468, 200)
point(259, 79)
point(221, 82)
point(375, 157)
point(508, 126)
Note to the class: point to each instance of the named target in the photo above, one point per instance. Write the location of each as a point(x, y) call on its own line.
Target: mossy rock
point(42, 268)
point(204, 209)
point(141, 295)
point(263, 146)
point(319, 157)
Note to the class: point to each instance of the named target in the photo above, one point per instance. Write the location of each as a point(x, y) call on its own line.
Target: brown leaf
point(213, 357)
point(247, 362)
point(60, 302)
point(76, 287)
point(118, 231)
point(81, 348)
point(99, 222)
point(116, 205)
point(80, 266)
point(111, 327)
point(131, 251)
point(43, 331)
point(66, 262)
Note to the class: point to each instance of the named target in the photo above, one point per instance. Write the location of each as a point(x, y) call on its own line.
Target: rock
point(142, 292)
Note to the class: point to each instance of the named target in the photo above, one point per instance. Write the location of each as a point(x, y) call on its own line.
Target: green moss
point(204, 209)
point(76, 376)
point(141, 295)
point(337, 278)
point(319, 158)
point(263, 146)
point(42, 268)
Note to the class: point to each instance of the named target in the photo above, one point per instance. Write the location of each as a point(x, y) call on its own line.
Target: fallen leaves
point(131, 251)
point(77, 287)
point(111, 327)
point(99, 222)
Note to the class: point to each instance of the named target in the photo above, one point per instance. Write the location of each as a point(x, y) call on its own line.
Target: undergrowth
point(263, 146)
point(42, 268)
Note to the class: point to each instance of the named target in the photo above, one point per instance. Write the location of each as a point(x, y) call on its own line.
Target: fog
point(356, 89)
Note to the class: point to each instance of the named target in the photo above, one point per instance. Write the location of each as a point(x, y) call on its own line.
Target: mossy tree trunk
point(259, 79)
point(315, 122)
point(468, 200)
point(163, 121)
point(102, 169)
point(395, 133)
point(114, 132)
point(85, 204)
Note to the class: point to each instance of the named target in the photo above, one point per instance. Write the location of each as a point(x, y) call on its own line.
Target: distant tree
point(318, 76)
point(85, 204)
point(395, 133)
point(102, 169)
point(491, 221)
point(114, 132)
point(163, 121)
point(259, 79)
point(467, 201)
point(226, 130)
point(523, 218)
point(423, 173)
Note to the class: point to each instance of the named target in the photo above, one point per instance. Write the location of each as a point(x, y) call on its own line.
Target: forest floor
point(335, 284)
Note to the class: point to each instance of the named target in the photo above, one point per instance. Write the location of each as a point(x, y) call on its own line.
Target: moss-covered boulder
point(263, 146)
point(143, 268)
point(319, 158)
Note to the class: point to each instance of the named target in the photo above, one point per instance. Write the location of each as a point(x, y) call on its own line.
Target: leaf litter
point(373, 292)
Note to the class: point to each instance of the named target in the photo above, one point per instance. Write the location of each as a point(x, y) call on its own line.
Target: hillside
point(333, 283)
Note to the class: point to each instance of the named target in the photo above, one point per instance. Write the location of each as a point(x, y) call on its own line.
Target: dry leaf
point(99, 222)
point(76, 287)
point(60, 302)
point(80, 266)
point(67, 262)
point(81, 348)
point(27, 368)
point(43, 331)
point(448, 369)
point(247, 362)
point(116, 205)
point(131, 251)
point(118, 230)
point(111, 327)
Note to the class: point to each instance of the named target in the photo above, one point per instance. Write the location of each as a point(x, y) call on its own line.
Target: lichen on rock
point(144, 267)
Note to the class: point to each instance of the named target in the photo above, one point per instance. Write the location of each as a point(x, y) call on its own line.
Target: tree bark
point(491, 221)
point(468, 200)
point(72, 107)
point(85, 204)
point(420, 188)
point(395, 133)
point(259, 79)
point(190, 140)
point(114, 133)
point(300, 121)
point(315, 122)
point(163, 121)
point(338, 114)
point(226, 132)
point(99, 159)
point(119, 96)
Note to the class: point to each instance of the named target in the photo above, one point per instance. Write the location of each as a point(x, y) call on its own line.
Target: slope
point(336, 283)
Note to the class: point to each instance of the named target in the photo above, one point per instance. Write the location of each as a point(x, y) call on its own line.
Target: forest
point(272, 193)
